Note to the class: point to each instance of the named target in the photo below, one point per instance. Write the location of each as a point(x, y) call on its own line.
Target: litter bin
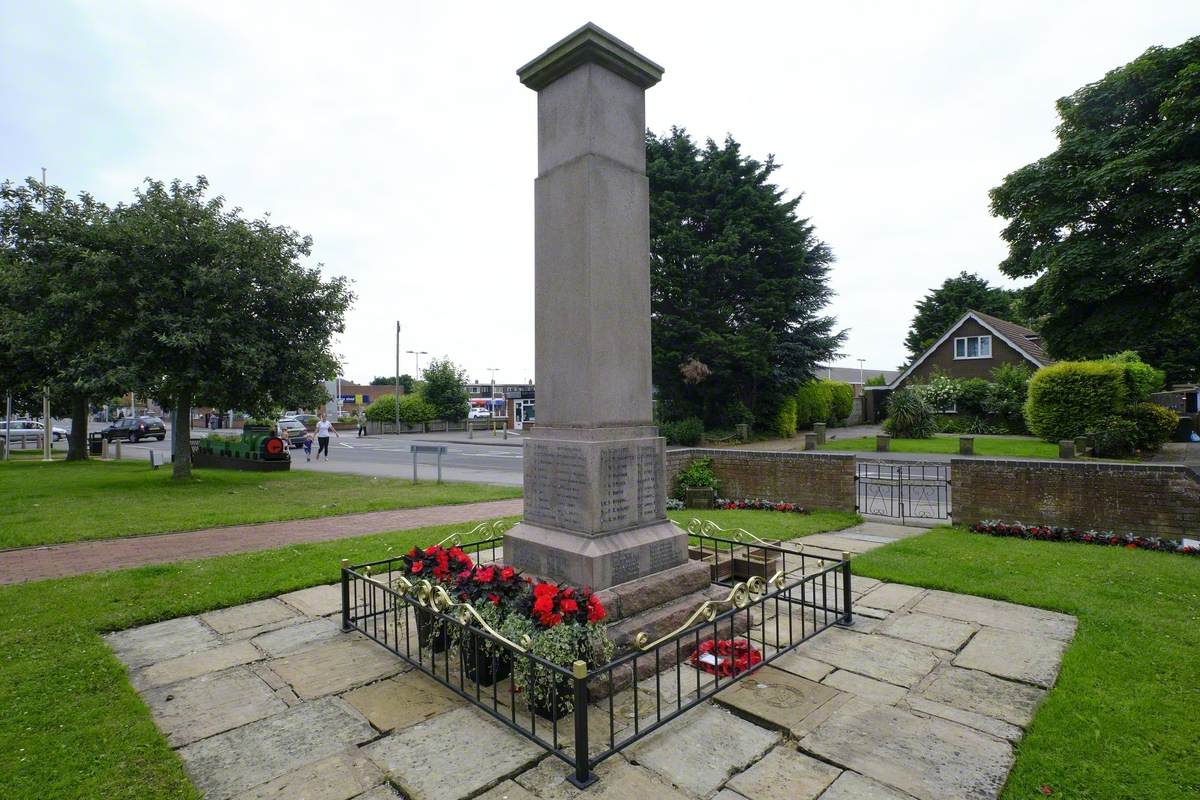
point(96, 443)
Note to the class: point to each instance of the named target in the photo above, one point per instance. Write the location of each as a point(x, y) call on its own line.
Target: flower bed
point(755, 504)
point(1050, 533)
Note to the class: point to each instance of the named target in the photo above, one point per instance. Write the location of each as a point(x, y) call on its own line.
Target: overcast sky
point(398, 136)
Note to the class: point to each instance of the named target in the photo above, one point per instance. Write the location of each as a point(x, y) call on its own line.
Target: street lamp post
point(397, 387)
point(493, 370)
point(416, 354)
point(860, 371)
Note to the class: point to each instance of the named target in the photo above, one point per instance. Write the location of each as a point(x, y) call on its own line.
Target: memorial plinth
point(594, 488)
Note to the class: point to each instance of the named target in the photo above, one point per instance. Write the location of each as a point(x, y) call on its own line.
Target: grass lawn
point(74, 728)
point(772, 524)
point(46, 503)
point(1014, 446)
point(1122, 720)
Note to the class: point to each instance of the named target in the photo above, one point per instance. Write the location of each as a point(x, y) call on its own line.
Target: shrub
point(966, 425)
point(1074, 397)
point(814, 403)
point(1155, 424)
point(941, 393)
point(687, 432)
point(784, 421)
point(445, 388)
point(383, 409)
point(842, 397)
point(1141, 379)
point(413, 409)
point(972, 396)
point(1114, 438)
point(909, 415)
point(1006, 394)
point(695, 475)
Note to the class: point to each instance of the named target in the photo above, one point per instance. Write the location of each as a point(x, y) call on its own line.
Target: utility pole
point(860, 371)
point(397, 376)
point(47, 427)
point(492, 399)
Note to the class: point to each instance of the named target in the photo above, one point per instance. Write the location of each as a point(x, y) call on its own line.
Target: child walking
point(308, 439)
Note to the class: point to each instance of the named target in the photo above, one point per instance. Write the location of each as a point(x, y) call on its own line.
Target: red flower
point(595, 609)
point(495, 598)
point(545, 590)
point(543, 605)
point(417, 566)
point(550, 620)
point(567, 605)
point(507, 573)
point(485, 575)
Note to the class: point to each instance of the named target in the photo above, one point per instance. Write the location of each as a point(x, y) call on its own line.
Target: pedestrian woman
point(362, 423)
point(324, 426)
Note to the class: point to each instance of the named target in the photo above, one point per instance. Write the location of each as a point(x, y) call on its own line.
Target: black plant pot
point(484, 667)
point(552, 707)
point(431, 632)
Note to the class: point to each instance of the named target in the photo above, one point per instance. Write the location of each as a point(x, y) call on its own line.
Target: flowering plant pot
point(485, 663)
point(431, 631)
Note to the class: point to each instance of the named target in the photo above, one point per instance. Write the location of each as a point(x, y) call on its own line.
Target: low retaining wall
point(812, 480)
point(1162, 500)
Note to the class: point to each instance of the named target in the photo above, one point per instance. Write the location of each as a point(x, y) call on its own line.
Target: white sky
point(398, 136)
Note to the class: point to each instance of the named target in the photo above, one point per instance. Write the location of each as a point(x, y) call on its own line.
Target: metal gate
point(918, 490)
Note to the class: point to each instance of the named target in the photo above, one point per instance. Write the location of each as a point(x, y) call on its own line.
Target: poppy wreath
point(437, 563)
point(758, 505)
point(1048, 533)
point(728, 657)
point(549, 604)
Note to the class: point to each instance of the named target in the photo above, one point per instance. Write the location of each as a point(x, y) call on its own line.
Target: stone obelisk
point(594, 491)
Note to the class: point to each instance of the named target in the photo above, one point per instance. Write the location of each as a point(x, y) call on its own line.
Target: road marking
point(343, 444)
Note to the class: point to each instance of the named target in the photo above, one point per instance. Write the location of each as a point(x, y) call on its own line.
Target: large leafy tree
point(942, 307)
point(224, 313)
point(738, 283)
point(1109, 223)
point(446, 389)
point(62, 304)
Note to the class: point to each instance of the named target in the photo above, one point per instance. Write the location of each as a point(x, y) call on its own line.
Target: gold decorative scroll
point(740, 596)
point(707, 529)
point(484, 529)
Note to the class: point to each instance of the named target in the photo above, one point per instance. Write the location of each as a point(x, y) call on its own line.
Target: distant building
point(854, 376)
point(347, 397)
point(493, 396)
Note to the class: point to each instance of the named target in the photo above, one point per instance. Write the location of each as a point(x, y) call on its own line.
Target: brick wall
point(813, 480)
point(1162, 500)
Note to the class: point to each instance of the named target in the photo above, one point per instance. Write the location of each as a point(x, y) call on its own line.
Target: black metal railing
point(902, 491)
point(772, 596)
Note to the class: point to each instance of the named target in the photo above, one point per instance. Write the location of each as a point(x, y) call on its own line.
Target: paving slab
point(699, 751)
point(192, 665)
point(776, 698)
point(231, 762)
point(682, 683)
point(852, 786)
point(880, 657)
point(452, 756)
point(784, 774)
point(402, 701)
point(338, 777)
point(932, 631)
point(248, 615)
point(302, 636)
point(200, 707)
point(838, 544)
point(989, 725)
point(617, 780)
point(336, 666)
point(383, 791)
point(998, 614)
point(890, 596)
point(728, 794)
point(867, 688)
point(316, 601)
point(986, 694)
point(138, 647)
point(803, 666)
point(508, 790)
point(1020, 656)
point(929, 758)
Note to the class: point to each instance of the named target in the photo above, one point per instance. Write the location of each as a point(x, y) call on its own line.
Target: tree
point(445, 389)
point(943, 306)
point(223, 313)
point(406, 382)
point(1109, 223)
point(62, 303)
point(737, 284)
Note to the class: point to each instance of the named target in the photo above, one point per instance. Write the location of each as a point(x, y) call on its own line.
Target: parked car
point(479, 413)
point(133, 429)
point(307, 420)
point(293, 430)
point(24, 430)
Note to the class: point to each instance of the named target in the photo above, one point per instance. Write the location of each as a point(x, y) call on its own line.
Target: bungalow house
point(971, 348)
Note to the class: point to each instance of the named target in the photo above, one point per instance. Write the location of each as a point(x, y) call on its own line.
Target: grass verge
point(48, 503)
point(775, 525)
point(1121, 721)
point(1012, 446)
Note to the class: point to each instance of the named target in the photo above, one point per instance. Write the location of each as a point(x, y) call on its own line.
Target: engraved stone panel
point(618, 466)
point(556, 481)
point(650, 467)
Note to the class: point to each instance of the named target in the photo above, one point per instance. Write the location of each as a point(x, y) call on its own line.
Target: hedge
point(842, 396)
point(1072, 397)
point(784, 421)
point(413, 409)
point(814, 403)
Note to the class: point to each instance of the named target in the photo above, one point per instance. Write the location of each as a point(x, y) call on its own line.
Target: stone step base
point(629, 599)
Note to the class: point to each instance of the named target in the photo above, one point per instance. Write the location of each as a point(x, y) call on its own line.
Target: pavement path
point(77, 558)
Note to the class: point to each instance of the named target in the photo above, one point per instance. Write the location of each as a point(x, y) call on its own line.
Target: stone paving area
point(924, 697)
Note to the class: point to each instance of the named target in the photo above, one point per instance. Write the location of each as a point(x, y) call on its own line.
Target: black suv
point(135, 428)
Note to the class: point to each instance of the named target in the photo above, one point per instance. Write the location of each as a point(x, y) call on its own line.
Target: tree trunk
point(77, 445)
point(181, 437)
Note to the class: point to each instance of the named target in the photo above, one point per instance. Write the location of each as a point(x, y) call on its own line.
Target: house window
point(973, 347)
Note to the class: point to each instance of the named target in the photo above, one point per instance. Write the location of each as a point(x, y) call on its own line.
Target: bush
point(941, 393)
point(445, 388)
point(972, 396)
point(909, 415)
point(695, 475)
point(784, 421)
point(814, 403)
point(1074, 397)
point(842, 397)
point(1155, 424)
point(687, 432)
point(1114, 438)
point(1141, 379)
point(1006, 394)
point(383, 409)
point(966, 425)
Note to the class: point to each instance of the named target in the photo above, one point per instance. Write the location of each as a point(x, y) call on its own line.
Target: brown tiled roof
point(1025, 339)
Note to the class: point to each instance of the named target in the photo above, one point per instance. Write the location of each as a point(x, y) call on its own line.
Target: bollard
point(117, 445)
point(883, 443)
point(810, 441)
point(743, 431)
point(1066, 448)
point(1083, 445)
point(470, 430)
point(966, 445)
point(819, 430)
